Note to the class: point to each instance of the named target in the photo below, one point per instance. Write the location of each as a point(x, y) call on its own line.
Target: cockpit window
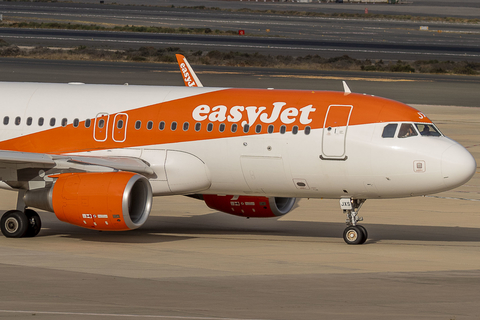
point(426, 129)
point(389, 130)
point(407, 130)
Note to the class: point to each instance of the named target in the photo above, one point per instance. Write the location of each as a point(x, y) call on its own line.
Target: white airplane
point(95, 155)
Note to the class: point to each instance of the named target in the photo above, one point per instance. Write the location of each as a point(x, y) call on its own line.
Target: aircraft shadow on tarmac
point(159, 229)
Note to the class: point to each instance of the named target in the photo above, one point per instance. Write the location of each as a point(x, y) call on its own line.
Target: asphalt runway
point(409, 88)
point(458, 8)
point(422, 259)
point(278, 35)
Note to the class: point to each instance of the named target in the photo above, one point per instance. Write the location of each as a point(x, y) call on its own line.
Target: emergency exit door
point(100, 128)
point(119, 133)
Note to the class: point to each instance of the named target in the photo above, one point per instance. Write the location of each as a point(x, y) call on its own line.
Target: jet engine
point(250, 206)
point(102, 201)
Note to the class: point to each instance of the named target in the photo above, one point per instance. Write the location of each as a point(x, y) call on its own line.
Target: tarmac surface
point(422, 259)
point(265, 33)
point(457, 8)
point(405, 87)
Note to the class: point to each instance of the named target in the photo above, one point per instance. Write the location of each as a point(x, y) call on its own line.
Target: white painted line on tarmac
point(452, 198)
point(120, 315)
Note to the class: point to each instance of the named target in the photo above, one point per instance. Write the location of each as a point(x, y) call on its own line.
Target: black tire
point(34, 223)
point(14, 224)
point(365, 233)
point(353, 235)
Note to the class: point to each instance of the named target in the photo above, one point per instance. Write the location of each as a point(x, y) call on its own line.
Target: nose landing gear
point(354, 233)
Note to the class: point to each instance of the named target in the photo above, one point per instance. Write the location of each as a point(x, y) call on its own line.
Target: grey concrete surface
point(287, 35)
point(422, 259)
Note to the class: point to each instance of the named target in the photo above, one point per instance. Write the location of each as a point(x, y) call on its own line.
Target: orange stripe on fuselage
point(275, 107)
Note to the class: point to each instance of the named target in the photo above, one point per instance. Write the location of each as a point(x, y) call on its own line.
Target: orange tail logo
point(189, 76)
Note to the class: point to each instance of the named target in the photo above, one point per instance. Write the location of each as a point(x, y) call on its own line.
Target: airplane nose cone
point(458, 166)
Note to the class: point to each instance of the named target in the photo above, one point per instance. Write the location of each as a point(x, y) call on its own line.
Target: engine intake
point(250, 206)
point(101, 201)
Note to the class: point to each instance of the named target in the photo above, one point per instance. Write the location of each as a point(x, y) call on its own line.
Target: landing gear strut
point(354, 233)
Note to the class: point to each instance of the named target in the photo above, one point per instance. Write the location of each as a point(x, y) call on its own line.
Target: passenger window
point(29, 121)
point(221, 128)
point(138, 124)
point(389, 130)
point(283, 129)
point(271, 128)
point(307, 130)
point(150, 125)
point(407, 130)
point(18, 120)
point(52, 122)
point(185, 126)
point(5, 120)
point(64, 122)
point(88, 122)
point(161, 125)
point(120, 124)
point(101, 123)
point(428, 130)
point(198, 126)
point(173, 126)
point(246, 128)
point(40, 121)
point(76, 122)
point(234, 127)
point(295, 129)
point(258, 128)
point(210, 127)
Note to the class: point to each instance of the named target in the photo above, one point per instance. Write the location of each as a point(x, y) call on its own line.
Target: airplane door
point(100, 129)
point(335, 132)
point(119, 131)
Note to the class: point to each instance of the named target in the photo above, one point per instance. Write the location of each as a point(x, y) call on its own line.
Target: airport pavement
point(405, 87)
point(458, 8)
point(422, 259)
point(276, 34)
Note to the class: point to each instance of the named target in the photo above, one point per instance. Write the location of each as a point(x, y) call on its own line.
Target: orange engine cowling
point(102, 201)
point(250, 206)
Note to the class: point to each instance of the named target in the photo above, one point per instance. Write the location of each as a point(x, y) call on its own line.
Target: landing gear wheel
point(365, 233)
point(354, 235)
point(14, 224)
point(34, 223)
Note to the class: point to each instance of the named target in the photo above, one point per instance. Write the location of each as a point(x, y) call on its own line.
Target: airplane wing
point(189, 76)
point(25, 166)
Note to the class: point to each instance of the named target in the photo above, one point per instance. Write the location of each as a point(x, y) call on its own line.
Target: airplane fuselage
point(284, 143)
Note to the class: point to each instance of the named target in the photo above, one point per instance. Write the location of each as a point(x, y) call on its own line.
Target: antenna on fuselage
point(346, 89)
point(189, 76)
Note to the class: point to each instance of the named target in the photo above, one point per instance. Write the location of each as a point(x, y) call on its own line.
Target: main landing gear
point(18, 224)
point(354, 233)
point(21, 222)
